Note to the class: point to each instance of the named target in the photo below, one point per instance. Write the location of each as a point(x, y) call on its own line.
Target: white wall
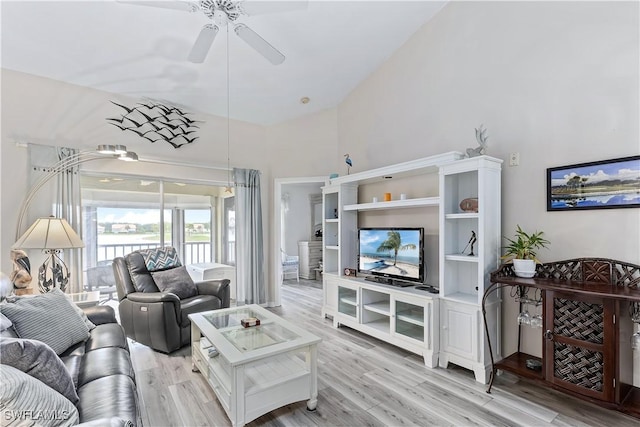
point(297, 226)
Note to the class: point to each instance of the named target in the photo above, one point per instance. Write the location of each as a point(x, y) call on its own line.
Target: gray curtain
point(60, 198)
point(249, 241)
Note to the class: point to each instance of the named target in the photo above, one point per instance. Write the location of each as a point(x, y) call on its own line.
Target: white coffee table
point(259, 368)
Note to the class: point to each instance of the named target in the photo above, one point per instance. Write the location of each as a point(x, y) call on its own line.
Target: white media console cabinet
point(446, 327)
point(404, 317)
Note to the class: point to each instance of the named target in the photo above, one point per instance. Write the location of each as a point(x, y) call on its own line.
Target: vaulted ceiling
point(141, 51)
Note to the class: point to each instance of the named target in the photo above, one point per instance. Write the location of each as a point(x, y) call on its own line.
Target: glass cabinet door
point(410, 320)
point(348, 301)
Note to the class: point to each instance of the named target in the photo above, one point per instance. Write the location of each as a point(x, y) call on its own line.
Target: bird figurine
point(348, 161)
point(21, 274)
point(481, 137)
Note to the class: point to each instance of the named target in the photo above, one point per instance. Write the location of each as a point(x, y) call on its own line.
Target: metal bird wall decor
point(155, 122)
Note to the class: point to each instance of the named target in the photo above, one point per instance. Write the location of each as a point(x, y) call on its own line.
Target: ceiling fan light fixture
point(225, 12)
point(220, 18)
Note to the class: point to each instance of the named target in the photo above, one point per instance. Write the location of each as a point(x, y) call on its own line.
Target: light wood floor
point(362, 382)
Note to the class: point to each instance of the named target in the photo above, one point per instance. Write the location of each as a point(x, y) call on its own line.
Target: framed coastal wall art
point(603, 184)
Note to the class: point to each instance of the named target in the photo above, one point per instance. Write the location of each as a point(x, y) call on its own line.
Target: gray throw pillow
point(50, 318)
point(81, 313)
point(177, 281)
point(27, 401)
point(41, 362)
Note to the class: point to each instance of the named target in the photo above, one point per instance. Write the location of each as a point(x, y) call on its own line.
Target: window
point(198, 238)
point(120, 231)
point(124, 214)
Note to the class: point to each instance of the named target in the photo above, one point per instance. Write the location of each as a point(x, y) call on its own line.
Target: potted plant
point(523, 250)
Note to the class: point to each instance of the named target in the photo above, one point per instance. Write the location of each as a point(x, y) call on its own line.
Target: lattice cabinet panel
point(579, 366)
point(579, 345)
point(580, 320)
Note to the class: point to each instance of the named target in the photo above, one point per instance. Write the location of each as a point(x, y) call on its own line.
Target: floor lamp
point(54, 272)
point(52, 235)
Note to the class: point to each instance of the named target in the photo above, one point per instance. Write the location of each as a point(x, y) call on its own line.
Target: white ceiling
point(141, 51)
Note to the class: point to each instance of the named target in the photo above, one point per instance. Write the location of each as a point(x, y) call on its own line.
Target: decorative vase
point(524, 267)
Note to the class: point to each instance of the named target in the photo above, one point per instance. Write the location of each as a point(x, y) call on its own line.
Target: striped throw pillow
point(50, 318)
point(41, 362)
point(27, 401)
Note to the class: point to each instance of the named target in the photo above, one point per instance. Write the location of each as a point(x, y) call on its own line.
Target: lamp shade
point(49, 233)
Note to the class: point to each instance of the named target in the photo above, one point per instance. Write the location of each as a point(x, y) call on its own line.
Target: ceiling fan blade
point(259, 44)
point(203, 43)
point(171, 4)
point(261, 7)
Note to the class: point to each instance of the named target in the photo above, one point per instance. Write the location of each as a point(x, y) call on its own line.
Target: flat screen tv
point(394, 253)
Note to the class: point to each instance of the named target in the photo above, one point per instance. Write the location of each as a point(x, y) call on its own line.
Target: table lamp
point(52, 235)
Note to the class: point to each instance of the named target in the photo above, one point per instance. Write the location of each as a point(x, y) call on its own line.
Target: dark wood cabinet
point(586, 347)
point(579, 344)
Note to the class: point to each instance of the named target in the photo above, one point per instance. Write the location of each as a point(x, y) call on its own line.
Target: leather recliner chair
point(160, 319)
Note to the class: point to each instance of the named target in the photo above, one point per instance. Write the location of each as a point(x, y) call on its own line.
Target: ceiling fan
point(227, 12)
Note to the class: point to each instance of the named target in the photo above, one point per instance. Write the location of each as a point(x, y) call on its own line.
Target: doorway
point(294, 219)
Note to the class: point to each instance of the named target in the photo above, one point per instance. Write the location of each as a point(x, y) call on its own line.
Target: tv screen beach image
point(395, 252)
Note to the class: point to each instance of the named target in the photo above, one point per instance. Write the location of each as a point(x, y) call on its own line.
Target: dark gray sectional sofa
point(102, 372)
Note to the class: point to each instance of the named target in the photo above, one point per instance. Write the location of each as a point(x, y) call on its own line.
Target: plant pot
point(524, 267)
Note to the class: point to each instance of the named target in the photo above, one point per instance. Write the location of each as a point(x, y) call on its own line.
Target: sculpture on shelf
point(472, 241)
point(348, 161)
point(481, 137)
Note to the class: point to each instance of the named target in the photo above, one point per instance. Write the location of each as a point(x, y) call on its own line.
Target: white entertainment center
point(442, 327)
